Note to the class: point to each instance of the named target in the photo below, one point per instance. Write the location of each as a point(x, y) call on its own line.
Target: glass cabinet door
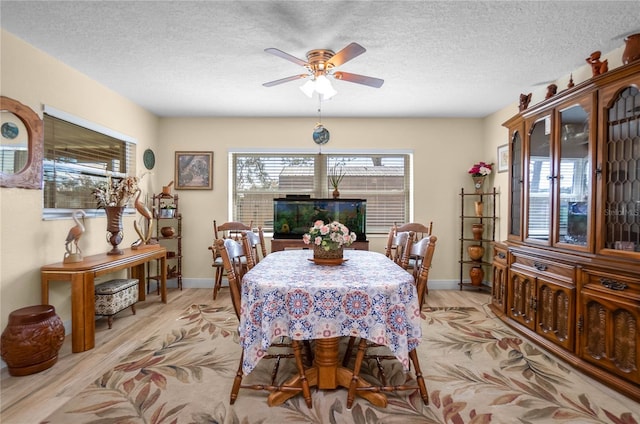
point(573, 179)
point(515, 206)
point(622, 172)
point(539, 181)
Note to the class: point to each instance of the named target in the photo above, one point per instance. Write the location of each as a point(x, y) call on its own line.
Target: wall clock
point(149, 159)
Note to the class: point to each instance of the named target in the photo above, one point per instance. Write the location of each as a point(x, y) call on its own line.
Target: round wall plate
point(320, 134)
point(10, 130)
point(149, 159)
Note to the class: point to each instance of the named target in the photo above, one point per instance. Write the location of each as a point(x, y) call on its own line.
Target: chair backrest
point(248, 244)
point(397, 242)
point(232, 254)
point(255, 245)
point(232, 229)
point(420, 230)
point(423, 250)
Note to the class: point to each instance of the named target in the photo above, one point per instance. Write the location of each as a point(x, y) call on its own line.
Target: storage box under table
point(116, 295)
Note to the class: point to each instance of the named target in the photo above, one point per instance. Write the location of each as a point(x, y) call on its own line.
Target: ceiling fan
point(320, 64)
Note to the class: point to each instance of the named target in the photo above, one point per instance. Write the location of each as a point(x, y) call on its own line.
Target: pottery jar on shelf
point(477, 230)
point(167, 231)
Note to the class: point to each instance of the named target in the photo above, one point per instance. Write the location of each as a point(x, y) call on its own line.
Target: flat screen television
point(293, 216)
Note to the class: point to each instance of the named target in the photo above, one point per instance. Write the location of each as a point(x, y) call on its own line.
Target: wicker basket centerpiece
point(320, 252)
point(328, 241)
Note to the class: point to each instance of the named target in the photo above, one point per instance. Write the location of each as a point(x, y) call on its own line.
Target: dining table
point(367, 295)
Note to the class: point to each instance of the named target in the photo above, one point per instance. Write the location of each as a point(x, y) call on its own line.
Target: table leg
point(44, 289)
point(163, 279)
point(138, 273)
point(327, 374)
point(82, 312)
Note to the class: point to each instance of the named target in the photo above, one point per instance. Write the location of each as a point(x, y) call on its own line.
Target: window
point(383, 179)
point(77, 159)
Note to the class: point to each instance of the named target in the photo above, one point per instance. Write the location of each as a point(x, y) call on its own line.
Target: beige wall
point(26, 241)
point(444, 149)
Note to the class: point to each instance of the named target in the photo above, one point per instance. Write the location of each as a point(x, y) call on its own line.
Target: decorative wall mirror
point(21, 145)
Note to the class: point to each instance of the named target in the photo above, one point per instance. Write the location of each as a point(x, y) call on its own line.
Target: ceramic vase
point(476, 252)
point(478, 183)
point(336, 193)
point(476, 275)
point(477, 230)
point(167, 231)
point(114, 228)
point(479, 208)
point(631, 51)
point(32, 339)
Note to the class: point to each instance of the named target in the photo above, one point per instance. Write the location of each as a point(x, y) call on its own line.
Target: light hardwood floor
point(30, 399)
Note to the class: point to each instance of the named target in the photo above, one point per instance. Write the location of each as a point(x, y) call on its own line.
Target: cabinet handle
point(539, 266)
point(580, 324)
point(501, 255)
point(613, 284)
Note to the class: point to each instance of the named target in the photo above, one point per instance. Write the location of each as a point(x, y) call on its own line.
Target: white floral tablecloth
point(369, 296)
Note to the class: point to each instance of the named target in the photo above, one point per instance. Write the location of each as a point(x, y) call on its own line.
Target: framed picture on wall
point(194, 170)
point(503, 158)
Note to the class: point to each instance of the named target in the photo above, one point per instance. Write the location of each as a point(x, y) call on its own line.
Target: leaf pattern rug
point(476, 369)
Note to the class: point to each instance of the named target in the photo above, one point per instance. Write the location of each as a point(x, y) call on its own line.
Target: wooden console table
point(283, 244)
point(82, 275)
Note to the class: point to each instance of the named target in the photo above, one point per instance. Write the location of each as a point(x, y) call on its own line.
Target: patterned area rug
point(476, 371)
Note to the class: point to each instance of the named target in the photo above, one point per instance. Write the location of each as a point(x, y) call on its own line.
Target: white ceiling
point(438, 59)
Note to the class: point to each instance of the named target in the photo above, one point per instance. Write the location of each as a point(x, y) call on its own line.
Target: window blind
point(76, 161)
point(382, 179)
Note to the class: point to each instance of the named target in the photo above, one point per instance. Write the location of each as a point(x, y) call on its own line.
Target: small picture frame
point(194, 171)
point(503, 158)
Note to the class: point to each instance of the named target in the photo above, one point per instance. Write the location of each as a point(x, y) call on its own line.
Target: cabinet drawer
point(500, 253)
point(611, 283)
point(557, 270)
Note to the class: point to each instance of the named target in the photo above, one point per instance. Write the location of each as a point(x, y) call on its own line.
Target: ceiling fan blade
point(283, 80)
point(359, 79)
point(286, 56)
point(351, 51)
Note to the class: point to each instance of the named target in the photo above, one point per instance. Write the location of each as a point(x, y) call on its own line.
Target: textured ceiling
point(206, 58)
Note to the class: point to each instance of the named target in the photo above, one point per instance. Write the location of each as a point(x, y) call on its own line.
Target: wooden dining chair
point(424, 250)
point(229, 230)
point(418, 258)
point(396, 244)
point(420, 230)
point(232, 255)
point(366, 349)
point(255, 245)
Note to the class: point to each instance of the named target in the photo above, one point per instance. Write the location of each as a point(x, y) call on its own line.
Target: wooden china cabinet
point(568, 275)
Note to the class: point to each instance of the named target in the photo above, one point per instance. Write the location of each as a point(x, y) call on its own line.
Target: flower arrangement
point(116, 192)
point(329, 236)
point(480, 169)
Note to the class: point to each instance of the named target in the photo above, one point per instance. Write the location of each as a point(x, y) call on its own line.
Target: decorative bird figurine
point(143, 229)
point(74, 235)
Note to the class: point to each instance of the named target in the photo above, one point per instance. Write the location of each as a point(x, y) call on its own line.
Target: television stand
point(284, 244)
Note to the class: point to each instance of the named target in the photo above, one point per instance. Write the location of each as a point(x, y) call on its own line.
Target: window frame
point(325, 188)
point(130, 163)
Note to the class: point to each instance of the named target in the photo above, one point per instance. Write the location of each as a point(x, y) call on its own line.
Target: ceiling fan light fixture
point(308, 88)
point(321, 85)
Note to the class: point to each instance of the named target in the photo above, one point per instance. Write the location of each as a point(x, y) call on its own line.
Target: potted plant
point(167, 210)
point(328, 239)
point(335, 178)
point(479, 172)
